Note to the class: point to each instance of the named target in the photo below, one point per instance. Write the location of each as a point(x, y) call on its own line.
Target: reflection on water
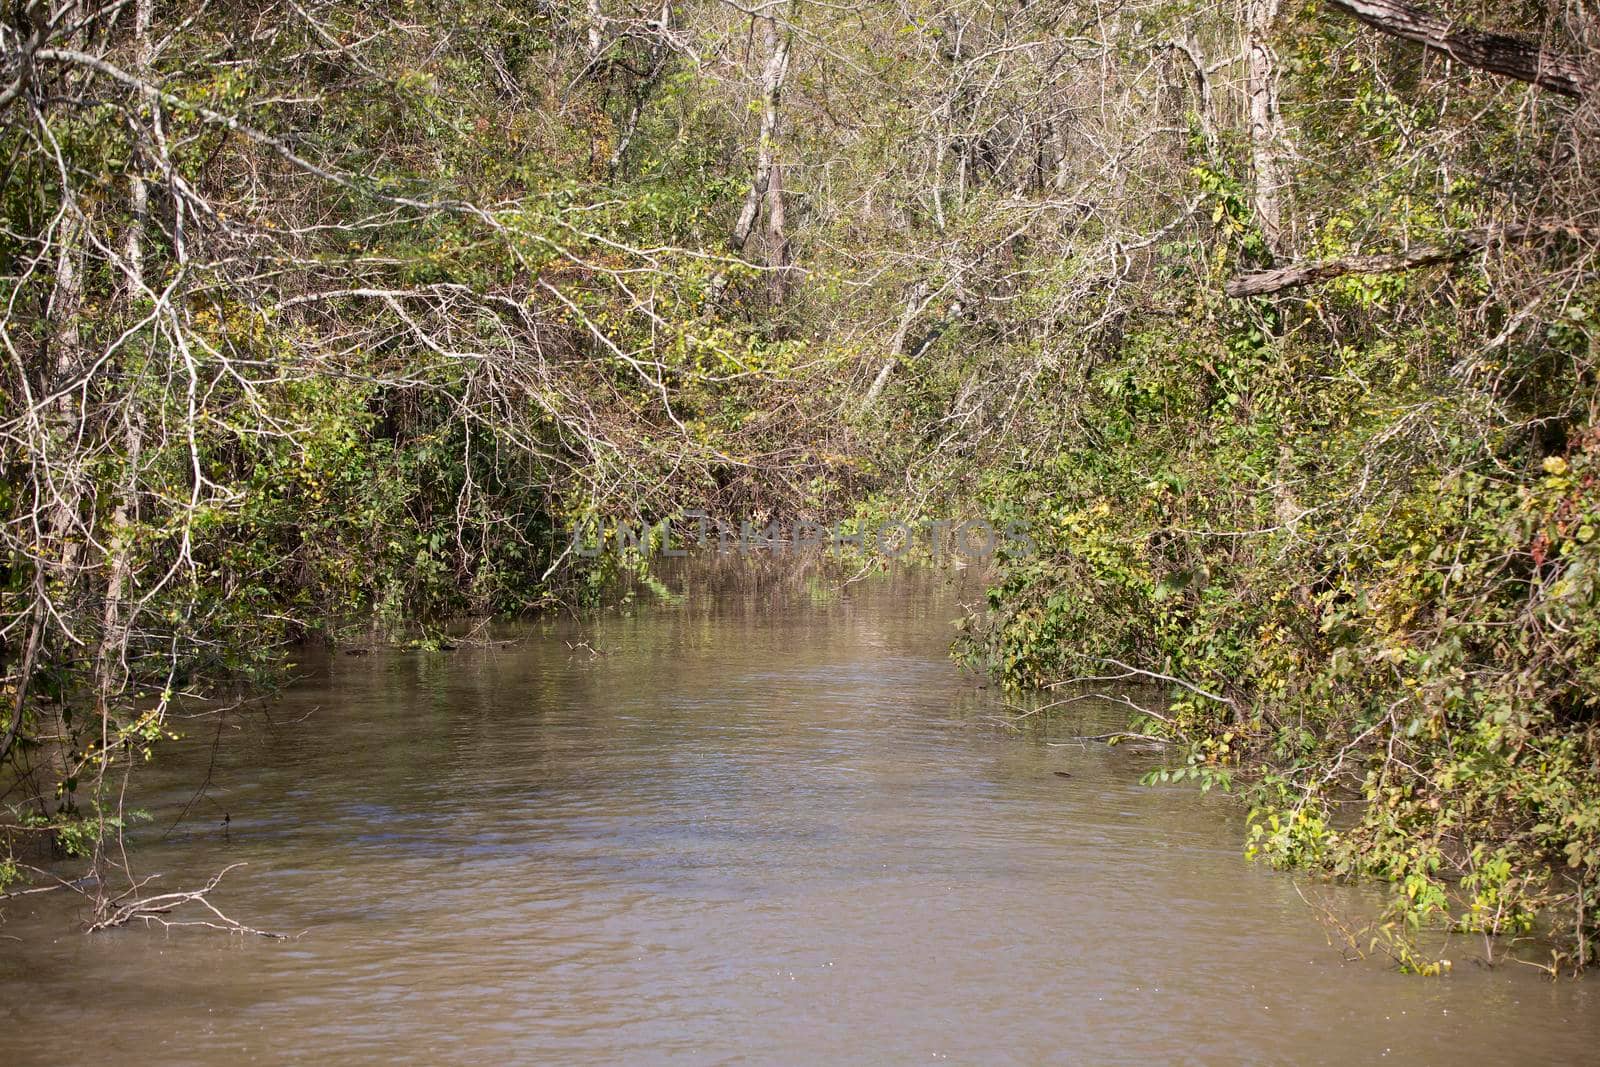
point(743, 830)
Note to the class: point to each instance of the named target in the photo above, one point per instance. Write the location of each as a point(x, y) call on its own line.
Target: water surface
point(758, 828)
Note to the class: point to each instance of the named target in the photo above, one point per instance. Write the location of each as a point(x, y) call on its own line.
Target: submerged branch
point(152, 909)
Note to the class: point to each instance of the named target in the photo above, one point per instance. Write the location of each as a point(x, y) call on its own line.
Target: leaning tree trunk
point(1458, 247)
point(1498, 53)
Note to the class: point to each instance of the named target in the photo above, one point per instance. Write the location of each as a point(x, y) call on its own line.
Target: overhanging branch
point(1462, 245)
point(1498, 53)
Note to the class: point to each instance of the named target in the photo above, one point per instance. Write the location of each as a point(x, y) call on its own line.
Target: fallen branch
point(1462, 245)
point(1136, 672)
point(153, 909)
point(1109, 739)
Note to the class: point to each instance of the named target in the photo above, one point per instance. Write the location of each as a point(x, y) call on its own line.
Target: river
point(759, 826)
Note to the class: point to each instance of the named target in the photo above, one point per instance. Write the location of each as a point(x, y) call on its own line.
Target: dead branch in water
point(1137, 672)
point(1109, 739)
point(152, 909)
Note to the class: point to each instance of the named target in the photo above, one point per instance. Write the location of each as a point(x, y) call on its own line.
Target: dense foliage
point(324, 317)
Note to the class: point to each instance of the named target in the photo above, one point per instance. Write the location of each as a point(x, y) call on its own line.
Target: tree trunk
point(1462, 245)
point(62, 543)
point(111, 654)
point(772, 76)
point(1498, 53)
point(778, 256)
point(595, 27)
point(1205, 109)
point(1265, 126)
point(660, 53)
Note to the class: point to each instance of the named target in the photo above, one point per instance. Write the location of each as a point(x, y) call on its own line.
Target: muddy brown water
point(751, 829)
